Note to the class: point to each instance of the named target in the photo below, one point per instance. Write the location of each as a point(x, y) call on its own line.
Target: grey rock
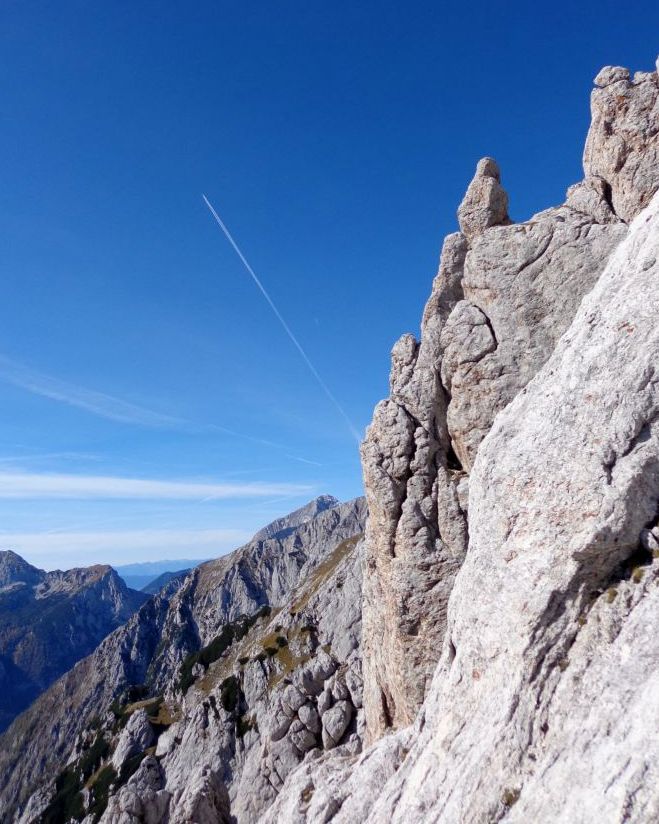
point(282, 527)
point(308, 715)
point(611, 74)
point(292, 699)
point(486, 203)
point(338, 786)
point(336, 721)
point(143, 800)
point(622, 147)
point(310, 679)
point(590, 197)
point(324, 700)
point(302, 738)
point(649, 540)
point(203, 800)
point(136, 736)
point(524, 287)
point(355, 685)
point(339, 690)
point(280, 726)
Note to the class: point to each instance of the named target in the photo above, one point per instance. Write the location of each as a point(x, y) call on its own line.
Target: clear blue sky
point(336, 141)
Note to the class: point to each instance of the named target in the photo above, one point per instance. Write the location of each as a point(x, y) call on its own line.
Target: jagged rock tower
point(503, 297)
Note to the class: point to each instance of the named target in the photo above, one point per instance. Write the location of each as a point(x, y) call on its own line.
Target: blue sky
point(150, 403)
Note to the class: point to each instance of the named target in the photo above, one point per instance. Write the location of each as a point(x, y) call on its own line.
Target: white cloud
point(37, 485)
point(67, 549)
point(107, 406)
point(98, 403)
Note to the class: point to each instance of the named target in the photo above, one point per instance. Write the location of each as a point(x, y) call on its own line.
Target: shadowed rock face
point(503, 297)
point(50, 620)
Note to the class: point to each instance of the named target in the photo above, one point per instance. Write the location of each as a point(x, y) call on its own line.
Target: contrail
point(287, 329)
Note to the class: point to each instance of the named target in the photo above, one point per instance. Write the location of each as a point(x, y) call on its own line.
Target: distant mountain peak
point(14, 569)
point(279, 527)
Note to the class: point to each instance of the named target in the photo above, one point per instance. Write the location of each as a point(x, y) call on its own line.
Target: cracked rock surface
point(547, 700)
point(622, 148)
point(504, 295)
point(545, 696)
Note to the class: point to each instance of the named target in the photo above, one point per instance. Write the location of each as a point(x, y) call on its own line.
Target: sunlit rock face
point(504, 295)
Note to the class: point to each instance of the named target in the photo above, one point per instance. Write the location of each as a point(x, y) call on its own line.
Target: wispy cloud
point(303, 460)
point(48, 456)
point(98, 403)
point(107, 406)
point(43, 485)
point(49, 549)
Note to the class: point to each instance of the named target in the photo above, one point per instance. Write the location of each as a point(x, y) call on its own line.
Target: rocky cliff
point(504, 295)
point(488, 651)
point(513, 487)
point(49, 621)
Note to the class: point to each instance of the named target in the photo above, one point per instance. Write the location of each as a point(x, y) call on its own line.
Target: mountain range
point(143, 574)
point(49, 621)
point(475, 641)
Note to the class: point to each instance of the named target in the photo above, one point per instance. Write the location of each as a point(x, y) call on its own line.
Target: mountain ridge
point(151, 647)
point(49, 620)
point(485, 651)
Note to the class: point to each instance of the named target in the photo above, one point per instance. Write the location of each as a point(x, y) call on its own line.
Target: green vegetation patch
point(232, 632)
point(244, 725)
point(101, 791)
point(510, 797)
point(92, 757)
point(67, 803)
point(230, 693)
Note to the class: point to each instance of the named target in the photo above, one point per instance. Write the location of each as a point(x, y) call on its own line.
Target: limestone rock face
point(334, 786)
point(485, 203)
point(546, 700)
point(416, 533)
point(142, 799)
point(522, 285)
point(622, 147)
point(137, 735)
point(503, 297)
